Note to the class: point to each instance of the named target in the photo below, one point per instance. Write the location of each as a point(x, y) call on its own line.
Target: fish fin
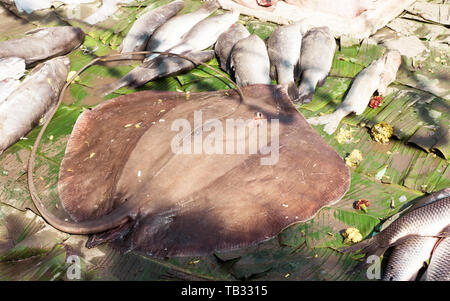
point(273, 72)
point(322, 82)
point(331, 121)
point(366, 246)
point(306, 94)
point(293, 91)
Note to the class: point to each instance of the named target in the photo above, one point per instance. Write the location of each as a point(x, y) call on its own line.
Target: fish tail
point(368, 246)
point(293, 91)
point(331, 121)
point(305, 92)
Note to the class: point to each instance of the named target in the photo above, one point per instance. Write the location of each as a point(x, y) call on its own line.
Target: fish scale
point(439, 268)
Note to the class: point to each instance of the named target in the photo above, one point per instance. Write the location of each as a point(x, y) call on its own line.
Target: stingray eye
point(258, 115)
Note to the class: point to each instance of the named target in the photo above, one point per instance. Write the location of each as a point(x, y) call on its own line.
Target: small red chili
point(362, 205)
point(266, 3)
point(375, 102)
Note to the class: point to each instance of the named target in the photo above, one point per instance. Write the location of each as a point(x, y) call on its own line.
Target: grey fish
point(284, 47)
point(318, 47)
point(43, 43)
point(428, 220)
point(365, 84)
point(170, 33)
point(250, 61)
point(37, 94)
point(439, 268)
point(205, 33)
point(408, 258)
point(226, 42)
point(160, 67)
point(143, 28)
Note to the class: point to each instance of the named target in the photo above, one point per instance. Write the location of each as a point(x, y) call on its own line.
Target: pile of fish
point(24, 104)
point(421, 233)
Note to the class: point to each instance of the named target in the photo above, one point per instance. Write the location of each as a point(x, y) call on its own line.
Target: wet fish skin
point(284, 48)
point(251, 62)
point(392, 64)
point(170, 33)
point(161, 66)
point(439, 268)
point(12, 67)
point(226, 42)
point(205, 33)
point(22, 110)
point(317, 53)
point(357, 99)
point(143, 28)
point(43, 43)
point(428, 220)
point(408, 258)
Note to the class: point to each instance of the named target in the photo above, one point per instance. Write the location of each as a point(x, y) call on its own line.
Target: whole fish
point(408, 258)
point(12, 67)
point(429, 220)
point(159, 67)
point(226, 42)
point(170, 33)
point(143, 28)
point(250, 61)
point(43, 43)
point(365, 84)
point(284, 47)
point(318, 47)
point(37, 94)
point(439, 268)
point(205, 33)
point(393, 62)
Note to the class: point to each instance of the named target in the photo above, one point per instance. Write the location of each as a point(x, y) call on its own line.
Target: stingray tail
point(109, 88)
point(370, 247)
point(331, 121)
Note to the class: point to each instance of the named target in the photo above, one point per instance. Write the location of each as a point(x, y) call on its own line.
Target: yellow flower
point(354, 159)
point(352, 235)
point(382, 131)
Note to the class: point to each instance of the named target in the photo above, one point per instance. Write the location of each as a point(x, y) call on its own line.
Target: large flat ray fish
point(168, 174)
point(43, 43)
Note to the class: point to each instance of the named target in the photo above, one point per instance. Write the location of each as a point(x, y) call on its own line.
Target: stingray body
point(122, 173)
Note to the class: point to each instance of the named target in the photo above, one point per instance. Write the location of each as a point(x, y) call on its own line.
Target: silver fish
point(170, 33)
point(318, 47)
point(365, 84)
point(226, 42)
point(43, 43)
point(408, 258)
point(429, 220)
point(284, 47)
point(160, 67)
point(439, 268)
point(143, 28)
point(37, 94)
point(250, 61)
point(205, 33)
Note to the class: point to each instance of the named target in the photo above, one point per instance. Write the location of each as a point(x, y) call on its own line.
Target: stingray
point(124, 180)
